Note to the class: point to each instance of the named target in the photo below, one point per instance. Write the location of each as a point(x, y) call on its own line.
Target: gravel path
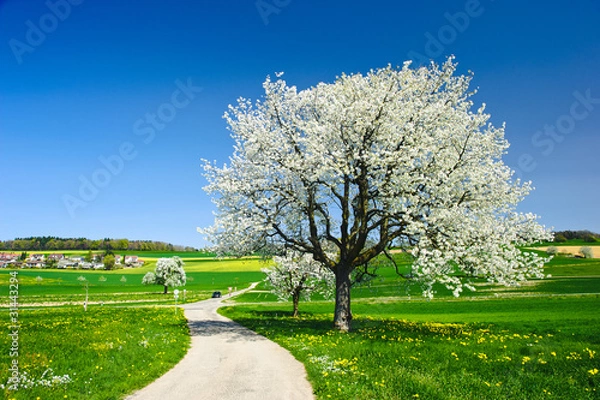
point(227, 361)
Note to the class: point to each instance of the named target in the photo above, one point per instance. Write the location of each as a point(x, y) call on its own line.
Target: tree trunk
point(296, 300)
point(343, 315)
point(166, 288)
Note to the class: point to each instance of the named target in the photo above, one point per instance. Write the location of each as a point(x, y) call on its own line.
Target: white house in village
point(133, 261)
point(7, 259)
point(55, 257)
point(35, 264)
point(37, 258)
point(9, 256)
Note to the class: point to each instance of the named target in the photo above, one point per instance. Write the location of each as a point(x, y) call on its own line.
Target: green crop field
point(536, 341)
point(125, 285)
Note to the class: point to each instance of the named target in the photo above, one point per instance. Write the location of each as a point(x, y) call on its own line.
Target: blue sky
point(128, 97)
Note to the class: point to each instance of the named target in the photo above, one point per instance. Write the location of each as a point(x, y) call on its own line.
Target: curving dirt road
point(228, 361)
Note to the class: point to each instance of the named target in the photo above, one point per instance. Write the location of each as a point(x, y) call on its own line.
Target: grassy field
point(104, 353)
point(519, 348)
point(125, 285)
point(536, 341)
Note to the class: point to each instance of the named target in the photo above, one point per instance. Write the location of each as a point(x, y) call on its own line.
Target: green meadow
point(513, 348)
point(536, 341)
point(104, 353)
point(38, 286)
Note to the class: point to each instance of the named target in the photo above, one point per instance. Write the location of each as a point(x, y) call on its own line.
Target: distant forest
point(586, 236)
point(56, 243)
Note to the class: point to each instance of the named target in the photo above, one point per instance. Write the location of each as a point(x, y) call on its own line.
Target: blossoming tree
point(396, 157)
point(168, 272)
point(298, 274)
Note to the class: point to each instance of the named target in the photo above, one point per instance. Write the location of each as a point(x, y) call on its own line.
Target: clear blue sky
point(80, 81)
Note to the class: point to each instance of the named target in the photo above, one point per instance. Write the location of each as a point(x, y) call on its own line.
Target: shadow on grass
point(285, 324)
point(229, 329)
point(282, 320)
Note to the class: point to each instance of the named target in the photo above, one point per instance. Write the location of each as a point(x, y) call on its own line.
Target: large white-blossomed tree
point(397, 156)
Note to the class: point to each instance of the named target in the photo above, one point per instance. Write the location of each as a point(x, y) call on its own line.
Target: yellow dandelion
point(593, 371)
point(591, 353)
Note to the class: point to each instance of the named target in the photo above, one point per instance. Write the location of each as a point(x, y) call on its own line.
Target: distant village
point(61, 261)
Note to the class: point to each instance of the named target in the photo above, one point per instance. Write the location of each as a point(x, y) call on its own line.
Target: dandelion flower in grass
point(593, 371)
point(591, 353)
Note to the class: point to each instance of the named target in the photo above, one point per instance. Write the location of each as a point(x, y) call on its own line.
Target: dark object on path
point(216, 295)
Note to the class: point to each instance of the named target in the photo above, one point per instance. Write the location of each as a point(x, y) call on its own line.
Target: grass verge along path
point(104, 353)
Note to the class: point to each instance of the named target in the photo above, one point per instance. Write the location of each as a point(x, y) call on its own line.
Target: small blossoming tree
point(168, 272)
point(587, 252)
point(298, 275)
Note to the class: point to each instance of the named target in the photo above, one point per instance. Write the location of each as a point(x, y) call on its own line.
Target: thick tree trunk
point(343, 315)
point(296, 300)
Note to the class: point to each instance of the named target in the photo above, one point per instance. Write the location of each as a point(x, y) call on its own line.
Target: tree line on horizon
point(585, 235)
point(57, 243)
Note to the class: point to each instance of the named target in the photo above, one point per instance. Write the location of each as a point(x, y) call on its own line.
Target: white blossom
point(296, 275)
point(168, 272)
